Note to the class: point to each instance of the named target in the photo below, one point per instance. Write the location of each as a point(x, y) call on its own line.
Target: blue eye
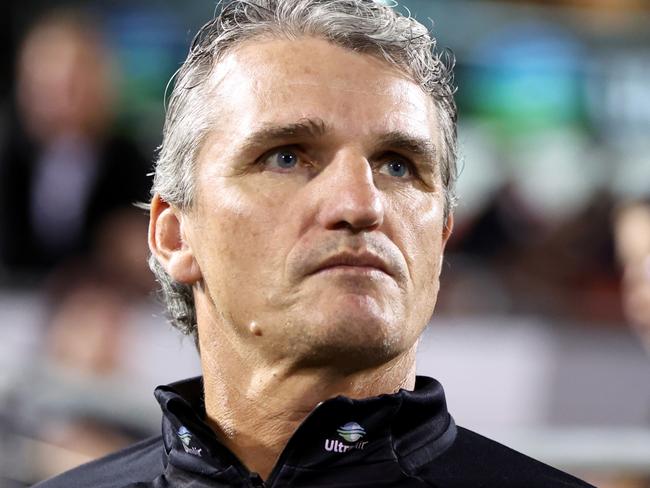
point(397, 168)
point(283, 159)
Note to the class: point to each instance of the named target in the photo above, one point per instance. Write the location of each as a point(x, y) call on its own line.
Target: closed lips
point(365, 260)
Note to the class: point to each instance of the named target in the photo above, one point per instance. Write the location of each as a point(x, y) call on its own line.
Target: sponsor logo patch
point(352, 433)
point(186, 439)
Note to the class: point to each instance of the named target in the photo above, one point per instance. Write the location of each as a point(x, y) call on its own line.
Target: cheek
point(421, 221)
point(235, 233)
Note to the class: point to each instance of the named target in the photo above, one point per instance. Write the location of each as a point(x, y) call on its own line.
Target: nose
point(349, 197)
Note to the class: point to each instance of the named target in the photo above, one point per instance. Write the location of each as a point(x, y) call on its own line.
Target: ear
point(169, 244)
point(447, 229)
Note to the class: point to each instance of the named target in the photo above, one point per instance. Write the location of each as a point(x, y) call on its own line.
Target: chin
point(354, 334)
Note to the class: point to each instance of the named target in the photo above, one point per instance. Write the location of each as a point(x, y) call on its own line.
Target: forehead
point(276, 81)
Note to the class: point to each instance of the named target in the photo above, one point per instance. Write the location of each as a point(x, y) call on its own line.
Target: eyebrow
point(268, 134)
point(420, 147)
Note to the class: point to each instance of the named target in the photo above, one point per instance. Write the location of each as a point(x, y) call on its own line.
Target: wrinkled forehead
point(266, 81)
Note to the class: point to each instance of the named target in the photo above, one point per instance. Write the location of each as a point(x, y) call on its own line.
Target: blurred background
point(542, 333)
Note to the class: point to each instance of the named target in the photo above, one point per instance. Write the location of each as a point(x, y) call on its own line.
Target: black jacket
point(407, 439)
point(120, 180)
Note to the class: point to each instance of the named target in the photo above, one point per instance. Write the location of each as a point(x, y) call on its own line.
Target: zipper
point(275, 473)
point(256, 480)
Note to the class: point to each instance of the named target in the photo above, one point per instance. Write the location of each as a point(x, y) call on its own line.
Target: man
point(67, 181)
point(301, 205)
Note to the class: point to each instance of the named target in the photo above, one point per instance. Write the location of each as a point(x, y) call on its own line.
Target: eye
point(282, 159)
point(396, 167)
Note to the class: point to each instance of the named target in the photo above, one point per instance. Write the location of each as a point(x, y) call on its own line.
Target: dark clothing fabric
point(119, 179)
point(407, 439)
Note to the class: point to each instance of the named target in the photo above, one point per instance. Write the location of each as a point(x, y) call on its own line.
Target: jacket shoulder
point(474, 460)
point(141, 462)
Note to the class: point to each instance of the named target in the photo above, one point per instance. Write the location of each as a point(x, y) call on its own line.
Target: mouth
point(356, 263)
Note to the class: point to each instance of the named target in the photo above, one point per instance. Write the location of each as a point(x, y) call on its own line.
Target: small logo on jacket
point(186, 438)
point(352, 433)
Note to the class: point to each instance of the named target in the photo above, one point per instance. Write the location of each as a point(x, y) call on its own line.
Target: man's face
point(318, 218)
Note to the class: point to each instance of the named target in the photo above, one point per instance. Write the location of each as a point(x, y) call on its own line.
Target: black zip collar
point(408, 428)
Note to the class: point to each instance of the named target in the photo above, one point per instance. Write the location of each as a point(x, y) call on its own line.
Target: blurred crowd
point(590, 268)
point(70, 231)
point(68, 225)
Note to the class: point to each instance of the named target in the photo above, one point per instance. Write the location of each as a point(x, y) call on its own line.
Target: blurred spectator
point(63, 173)
point(511, 259)
point(67, 188)
point(483, 254)
point(632, 225)
point(576, 261)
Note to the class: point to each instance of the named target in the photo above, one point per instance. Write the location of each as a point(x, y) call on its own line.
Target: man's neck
point(255, 408)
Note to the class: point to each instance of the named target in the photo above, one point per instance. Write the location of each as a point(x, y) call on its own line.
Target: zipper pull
point(256, 481)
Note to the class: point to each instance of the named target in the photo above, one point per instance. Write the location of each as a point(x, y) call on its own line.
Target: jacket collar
point(411, 427)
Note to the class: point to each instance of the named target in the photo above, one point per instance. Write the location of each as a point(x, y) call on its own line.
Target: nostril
point(344, 225)
point(350, 213)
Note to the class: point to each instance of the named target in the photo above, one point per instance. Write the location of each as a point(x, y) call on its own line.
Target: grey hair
point(364, 26)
